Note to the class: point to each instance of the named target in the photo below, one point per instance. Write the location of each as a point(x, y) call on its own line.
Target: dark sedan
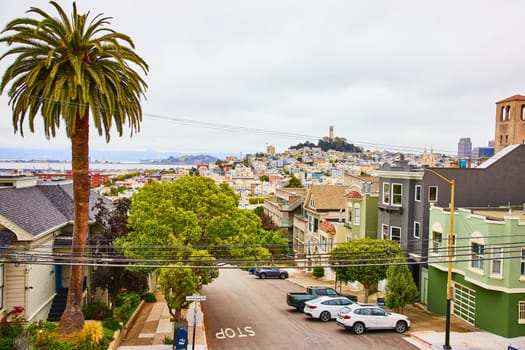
point(271, 272)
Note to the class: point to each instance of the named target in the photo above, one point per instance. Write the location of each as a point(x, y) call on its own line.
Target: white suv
point(360, 317)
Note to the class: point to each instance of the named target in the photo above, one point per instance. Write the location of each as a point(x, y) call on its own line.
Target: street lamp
point(447, 346)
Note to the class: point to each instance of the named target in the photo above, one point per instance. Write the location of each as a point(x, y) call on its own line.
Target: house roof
point(327, 227)
point(513, 98)
point(326, 197)
point(41, 208)
point(353, 194)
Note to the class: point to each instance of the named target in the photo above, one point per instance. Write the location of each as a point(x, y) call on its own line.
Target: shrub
point(111, 323)
point(167, 341)
point(92, 333)
point(96, 311)
point(150, 298)
point(126, 303)
point(318, 271)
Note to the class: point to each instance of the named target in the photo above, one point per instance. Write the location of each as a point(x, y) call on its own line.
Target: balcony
point(390, 208)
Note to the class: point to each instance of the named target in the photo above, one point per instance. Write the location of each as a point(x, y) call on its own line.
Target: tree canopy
point(364, 260)
point(294, 182)
point(400, 288)
point(191, 222)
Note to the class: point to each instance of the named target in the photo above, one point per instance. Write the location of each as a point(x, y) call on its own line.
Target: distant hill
point(326, 144)
point(184, 160)
point(28, 154)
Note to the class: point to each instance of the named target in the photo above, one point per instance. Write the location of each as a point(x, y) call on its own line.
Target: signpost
point(196, 297)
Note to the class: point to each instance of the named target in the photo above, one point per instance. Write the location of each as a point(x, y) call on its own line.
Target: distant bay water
point(98, 166)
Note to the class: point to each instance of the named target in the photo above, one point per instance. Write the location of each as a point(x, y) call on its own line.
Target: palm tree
point(65, 69)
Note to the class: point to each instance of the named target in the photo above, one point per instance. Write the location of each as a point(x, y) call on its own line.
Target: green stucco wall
point(496, 312)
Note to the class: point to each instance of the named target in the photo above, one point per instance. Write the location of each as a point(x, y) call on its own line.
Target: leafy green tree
point(258, 211)
point(65, 69)
point(264, 178)
point(187, 215)
point(274, 241)
point(177, 283)
point(401, 288)
point(364, 260)
point(294, 182)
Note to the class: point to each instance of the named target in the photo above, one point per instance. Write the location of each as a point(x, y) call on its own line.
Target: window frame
point(522, 264)
point(397, 198)
point(385, 231)
point(392, 228)
point(436, 194)
point(436, 242)
point(386, 193)
point(521, 312)
point(357, 214)
point(417, 193)
point(494, 259)
point(418, 225)
point(477, 256)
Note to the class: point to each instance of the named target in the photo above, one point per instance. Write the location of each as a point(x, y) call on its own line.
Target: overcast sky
point(404, 73)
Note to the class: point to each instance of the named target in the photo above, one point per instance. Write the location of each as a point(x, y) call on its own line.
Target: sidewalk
point(153, 325)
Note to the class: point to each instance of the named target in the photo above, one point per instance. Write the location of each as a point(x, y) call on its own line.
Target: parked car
point(271, 272)
point(298, 299)
point(360, 317)
point(326, 308)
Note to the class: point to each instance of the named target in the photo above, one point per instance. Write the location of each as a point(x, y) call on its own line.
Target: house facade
point(401, 211)
point(488, 267)
point(360, 214)
point(282, 207)
point(36, 225)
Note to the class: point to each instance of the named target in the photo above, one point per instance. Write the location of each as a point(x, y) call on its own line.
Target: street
point(243, 312)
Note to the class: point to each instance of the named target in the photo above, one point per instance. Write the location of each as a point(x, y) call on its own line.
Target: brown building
point(510, 122)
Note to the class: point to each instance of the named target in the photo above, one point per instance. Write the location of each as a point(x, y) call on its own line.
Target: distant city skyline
point(233, 77)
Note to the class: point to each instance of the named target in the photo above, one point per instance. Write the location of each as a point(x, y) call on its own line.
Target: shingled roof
point(327, 197)
point(41, 208)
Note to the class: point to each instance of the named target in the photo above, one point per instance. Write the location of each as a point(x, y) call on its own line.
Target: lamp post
point(447, 346)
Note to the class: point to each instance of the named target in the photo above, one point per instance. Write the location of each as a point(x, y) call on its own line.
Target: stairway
point(58, 306)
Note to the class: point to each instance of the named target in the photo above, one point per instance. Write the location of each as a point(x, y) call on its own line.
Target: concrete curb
point(421, 340)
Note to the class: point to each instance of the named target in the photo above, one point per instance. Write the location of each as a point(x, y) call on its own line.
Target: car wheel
point(300, 308)
point(263, 275)
point(282, 276)
point(359, 328)
point(325, 316)
point(401, 326)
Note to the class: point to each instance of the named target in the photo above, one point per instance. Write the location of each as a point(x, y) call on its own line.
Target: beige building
point(510, 122)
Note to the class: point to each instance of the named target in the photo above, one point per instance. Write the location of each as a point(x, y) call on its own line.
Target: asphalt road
point(244, 312)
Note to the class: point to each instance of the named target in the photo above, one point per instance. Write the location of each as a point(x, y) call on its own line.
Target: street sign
point(196, 297)
point(195, 318)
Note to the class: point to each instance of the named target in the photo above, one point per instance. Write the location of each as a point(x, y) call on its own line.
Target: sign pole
point(194, 325)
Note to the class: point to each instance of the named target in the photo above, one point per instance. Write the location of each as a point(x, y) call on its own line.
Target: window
point(477, 252)
point(521, 312)
point(386, 193)
point(316, 225)
point(417, 196)
point(502, 112)
point(522, 112)
point(417, 227)
point(349, 213)
point(437, 237)
point(2, 286)
point(385, 231)
point(508, 112)
point(522, 263)
point(397, 194)
point(432, 193)
point(357, 215)
point(395, 234)
point(497, 261)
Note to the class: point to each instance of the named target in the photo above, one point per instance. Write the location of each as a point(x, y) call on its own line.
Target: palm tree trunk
point(73, 319)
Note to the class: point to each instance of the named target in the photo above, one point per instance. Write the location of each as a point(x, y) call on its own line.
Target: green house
point(488, 267)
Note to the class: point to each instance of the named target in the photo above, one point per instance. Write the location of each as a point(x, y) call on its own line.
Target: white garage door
point(464, 305)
